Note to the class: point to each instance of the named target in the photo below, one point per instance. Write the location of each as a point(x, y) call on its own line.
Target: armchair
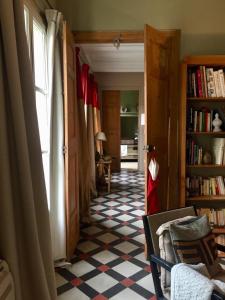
point(151, 224)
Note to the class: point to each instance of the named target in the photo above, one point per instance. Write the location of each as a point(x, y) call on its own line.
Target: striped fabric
point(6, 283)
point(198, 251)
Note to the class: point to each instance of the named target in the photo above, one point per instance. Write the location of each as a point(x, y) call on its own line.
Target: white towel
point(187, 283)
point(153, 168)
point(123, 150)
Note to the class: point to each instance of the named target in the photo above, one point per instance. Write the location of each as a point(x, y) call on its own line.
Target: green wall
point(129, 99)
point(202, 21)
point(129, 125)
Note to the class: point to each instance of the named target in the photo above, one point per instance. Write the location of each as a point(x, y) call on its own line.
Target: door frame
point(107, 37)
point(104, 37)
point(127, 88)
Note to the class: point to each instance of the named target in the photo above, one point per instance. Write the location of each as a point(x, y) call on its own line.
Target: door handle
point(149, 148)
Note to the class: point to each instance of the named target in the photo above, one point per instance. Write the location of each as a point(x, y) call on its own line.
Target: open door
point(70, 148)
point(111, 126)
point(161, 110)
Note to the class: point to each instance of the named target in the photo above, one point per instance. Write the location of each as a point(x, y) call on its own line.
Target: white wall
point(127, 81)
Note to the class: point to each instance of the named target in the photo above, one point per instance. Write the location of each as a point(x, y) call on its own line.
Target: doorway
point(121, 115)
point(119, 73)
point(129, 107)
point(160, 70)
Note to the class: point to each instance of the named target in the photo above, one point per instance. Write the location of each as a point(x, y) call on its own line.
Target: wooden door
point(111, 126)
point(161, 109)
point(70, 149)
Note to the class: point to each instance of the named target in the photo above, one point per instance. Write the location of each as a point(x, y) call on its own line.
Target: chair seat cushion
point(194, 243)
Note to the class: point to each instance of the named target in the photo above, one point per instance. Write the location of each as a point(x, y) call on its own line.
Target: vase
point(207, 158)
point(217, 123)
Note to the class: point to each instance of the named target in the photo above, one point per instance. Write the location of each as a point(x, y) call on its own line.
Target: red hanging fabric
point(91, 85)
point(79, 79)
point(86, 84)
point(152, 195)
point(94, 92)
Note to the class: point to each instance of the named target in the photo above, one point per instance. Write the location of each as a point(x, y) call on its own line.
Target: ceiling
point(107, 58)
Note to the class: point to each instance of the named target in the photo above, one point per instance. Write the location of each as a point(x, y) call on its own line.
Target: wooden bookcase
point(187, 101)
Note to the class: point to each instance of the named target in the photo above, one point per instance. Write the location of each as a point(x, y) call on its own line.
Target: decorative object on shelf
point(217, 123)
point(207, 158)
point(124, 109)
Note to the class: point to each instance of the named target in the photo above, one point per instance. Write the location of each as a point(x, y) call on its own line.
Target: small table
point(105, 166)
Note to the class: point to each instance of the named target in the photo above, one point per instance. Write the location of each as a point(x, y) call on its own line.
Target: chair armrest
point(220, 247)
point(163, 263)
point(168, 266)
point(217, 296)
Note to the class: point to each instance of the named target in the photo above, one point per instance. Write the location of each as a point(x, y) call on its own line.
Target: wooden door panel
point(158, 97)
point(71, 154)
point(111, 125)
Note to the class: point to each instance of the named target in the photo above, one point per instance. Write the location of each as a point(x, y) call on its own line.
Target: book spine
point(217, 83)
point(193, 76)
point(210, 82)
point(205, 81)
point(199, 83)
point(221, 82)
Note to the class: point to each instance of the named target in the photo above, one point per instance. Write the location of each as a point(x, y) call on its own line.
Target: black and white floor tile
point(109, 262)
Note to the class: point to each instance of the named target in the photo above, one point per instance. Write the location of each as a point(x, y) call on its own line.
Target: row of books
point(216, 216)
point(194, 153)
point(216, 219)
point(220, 239)
point(200, 120)
point(205, 82)
point(200, 186)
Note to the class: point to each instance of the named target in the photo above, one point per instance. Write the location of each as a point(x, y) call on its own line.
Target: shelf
point(220, 99)
point(206, 133)
point(129, 114)
point(218, 230)
point(206, 198)
point(205, 166)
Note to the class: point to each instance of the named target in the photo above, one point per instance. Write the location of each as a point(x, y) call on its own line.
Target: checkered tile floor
point(109, 262)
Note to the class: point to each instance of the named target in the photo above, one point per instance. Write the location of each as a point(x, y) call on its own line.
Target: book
point(221, 82)
point(217, 84)
point(210, 82)
point(218, 150)
point(199, 83)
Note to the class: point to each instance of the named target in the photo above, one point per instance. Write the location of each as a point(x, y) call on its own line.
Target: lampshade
point(100, 136)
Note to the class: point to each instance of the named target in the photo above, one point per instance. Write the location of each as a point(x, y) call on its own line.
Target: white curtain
point(25, 240)
point(55, 99)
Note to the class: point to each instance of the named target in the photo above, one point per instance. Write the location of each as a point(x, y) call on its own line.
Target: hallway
point(109, 262)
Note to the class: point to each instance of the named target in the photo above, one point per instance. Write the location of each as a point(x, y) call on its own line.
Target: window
point(36, 36)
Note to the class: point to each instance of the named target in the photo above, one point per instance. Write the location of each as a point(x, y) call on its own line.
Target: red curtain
point(87, 90)
point(96, 109)
point(84, 156)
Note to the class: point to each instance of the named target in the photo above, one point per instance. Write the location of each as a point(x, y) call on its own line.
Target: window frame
point(33, 16)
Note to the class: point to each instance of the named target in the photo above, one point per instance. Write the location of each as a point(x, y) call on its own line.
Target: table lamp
point(100, 136)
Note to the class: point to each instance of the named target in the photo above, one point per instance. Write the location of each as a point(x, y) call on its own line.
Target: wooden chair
point(151, 224)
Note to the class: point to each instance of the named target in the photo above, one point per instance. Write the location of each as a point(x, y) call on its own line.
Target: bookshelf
point(201, 183)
